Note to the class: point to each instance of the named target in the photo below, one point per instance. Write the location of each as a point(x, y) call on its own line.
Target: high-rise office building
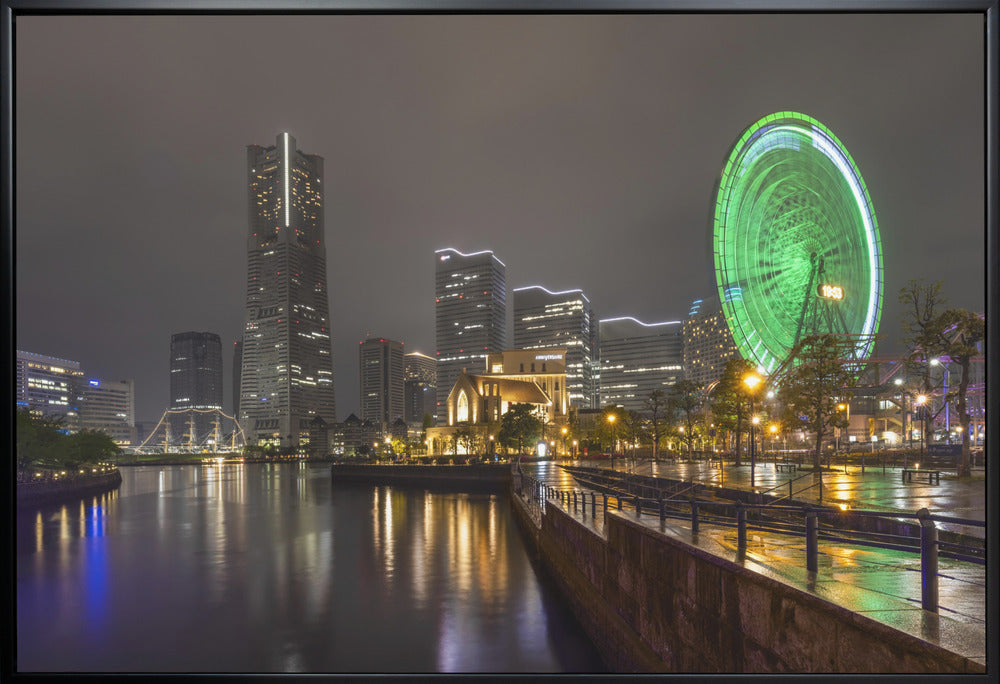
point(195, 383)
point(381, 365)
point(560, 320)
point(637, 358)
point(708, 344)
point(470, 310)
point(287, 367)
point(109, 407)
point(237, 370)
point(419, 387)
point(48, 387)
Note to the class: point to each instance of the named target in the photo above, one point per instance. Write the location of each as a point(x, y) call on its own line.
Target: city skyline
point(582, 151)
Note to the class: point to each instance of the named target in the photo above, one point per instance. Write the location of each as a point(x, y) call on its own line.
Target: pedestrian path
point(882, 584)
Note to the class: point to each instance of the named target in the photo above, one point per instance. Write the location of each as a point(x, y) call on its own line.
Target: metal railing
point(746, 517)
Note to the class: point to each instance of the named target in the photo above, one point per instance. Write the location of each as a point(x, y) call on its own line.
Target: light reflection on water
point(271, 568)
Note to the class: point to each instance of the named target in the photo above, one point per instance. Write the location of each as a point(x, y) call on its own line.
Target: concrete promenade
point(882, 584)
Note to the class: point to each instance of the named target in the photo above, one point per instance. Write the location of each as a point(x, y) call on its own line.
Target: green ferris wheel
point(797, 249)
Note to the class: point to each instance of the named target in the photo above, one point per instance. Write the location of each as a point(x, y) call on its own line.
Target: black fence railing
point(799, 521)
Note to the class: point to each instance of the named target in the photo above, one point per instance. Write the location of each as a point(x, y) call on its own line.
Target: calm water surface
point(273, 568)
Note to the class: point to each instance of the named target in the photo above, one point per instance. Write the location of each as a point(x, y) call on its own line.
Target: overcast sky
point(583, 150)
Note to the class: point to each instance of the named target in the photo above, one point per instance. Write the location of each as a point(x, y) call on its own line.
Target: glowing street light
point(611, 421)
point(921, 400)
point(752, 380)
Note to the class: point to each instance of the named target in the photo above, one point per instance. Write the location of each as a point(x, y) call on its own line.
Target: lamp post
point(845, 406)
point(611, 421)
point(492, 448)
point(921, 401)
point(752, 380)
point(575, 444)
point(565, 430)
point(774, 433)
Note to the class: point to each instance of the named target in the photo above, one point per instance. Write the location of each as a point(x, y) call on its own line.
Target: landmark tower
point(287, 362)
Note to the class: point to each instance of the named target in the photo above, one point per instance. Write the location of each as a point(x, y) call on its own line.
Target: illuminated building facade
point(48, 386)
point(546, 320)
point(708, 344)
point(515, 376)
point(381, 366)
point(287, 363)
point(195, 383)
point(470, 310)
point(419, 387)
point(109, 407)
point(637, 358)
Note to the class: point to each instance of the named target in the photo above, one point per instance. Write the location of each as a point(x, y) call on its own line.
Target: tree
point(519, 425)
point(923, 328)
point(964, 331)
point(633, 428)
point(464, 437)
point(686, 398)
point(89, 446)
point(607, 432)
point(814, 387)
point(40, 441)
point(656, 405)
point(729, 400)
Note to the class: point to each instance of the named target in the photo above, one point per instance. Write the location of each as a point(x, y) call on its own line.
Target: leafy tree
point(606, 432)
point(88, 447)
point(729, 400)
point(964, 331)
point(400, 446)
point(656, 406)
point(686, 397)
point(815, 386)
point(633, 428)
point(40, 441)
point(519, 425)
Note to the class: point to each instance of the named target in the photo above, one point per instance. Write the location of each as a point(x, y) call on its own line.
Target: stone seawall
point(479, 475)
point(652, 603)
point(39, 493)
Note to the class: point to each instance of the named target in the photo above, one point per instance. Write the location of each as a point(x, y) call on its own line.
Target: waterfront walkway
point(882, 584)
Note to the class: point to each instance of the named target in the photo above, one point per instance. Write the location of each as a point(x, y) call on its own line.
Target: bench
point(933, 477)
point(785, 467)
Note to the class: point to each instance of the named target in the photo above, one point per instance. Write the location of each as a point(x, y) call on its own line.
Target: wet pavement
point(882, 584)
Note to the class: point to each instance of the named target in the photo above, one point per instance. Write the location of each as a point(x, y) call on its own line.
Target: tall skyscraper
point(381, 365)
point(195, 383)
point(419, 387)
point(470, 309)
point(287, 370)
point(109, 406)
point(547, 320)
point(48, 386)
point(708, 344)
point(637, 358)
point(237, 370)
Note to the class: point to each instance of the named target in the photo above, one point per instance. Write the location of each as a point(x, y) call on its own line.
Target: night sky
point(583, 150)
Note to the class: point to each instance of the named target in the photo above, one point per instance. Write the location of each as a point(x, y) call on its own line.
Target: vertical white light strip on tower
point(286, 179)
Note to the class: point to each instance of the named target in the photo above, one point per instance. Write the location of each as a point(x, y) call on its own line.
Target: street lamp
point(564, 431)
point(921, 400)
point(752, 380)
point(846, 406)
point(774, 433)
point(611, 421)
point(492, 448)
point(575, 443)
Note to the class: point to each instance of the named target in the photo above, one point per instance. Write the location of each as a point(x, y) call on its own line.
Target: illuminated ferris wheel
point(797, 248)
